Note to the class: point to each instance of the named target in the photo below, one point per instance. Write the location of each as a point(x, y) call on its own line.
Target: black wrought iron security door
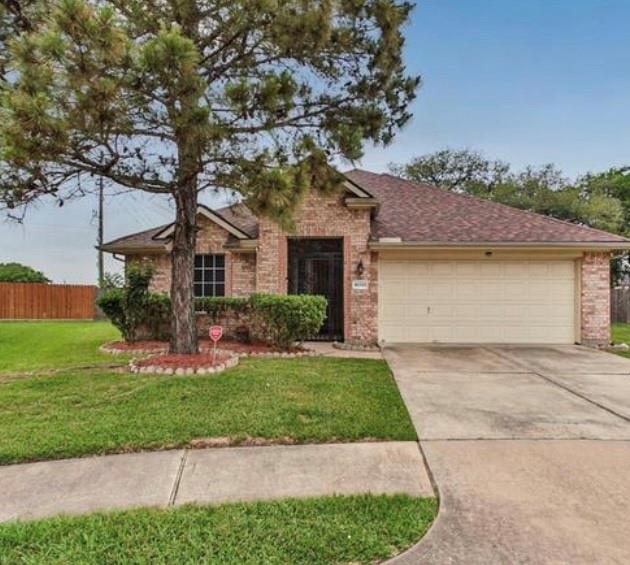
point(316, 267)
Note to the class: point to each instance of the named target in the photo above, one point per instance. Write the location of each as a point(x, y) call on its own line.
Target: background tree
point(462, 170)
point(16, 272)
point(614, 183)
point(601, 201)
point(176, 97)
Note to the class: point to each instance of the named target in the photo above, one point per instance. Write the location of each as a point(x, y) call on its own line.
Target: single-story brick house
point(407, 262)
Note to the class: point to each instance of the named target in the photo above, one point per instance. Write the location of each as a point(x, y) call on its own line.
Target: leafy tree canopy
point(220, 93)
point(613, 183)
point(16, 272)
point(177, 96)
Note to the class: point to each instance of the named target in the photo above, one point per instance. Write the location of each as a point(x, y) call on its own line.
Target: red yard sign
point(216, 333)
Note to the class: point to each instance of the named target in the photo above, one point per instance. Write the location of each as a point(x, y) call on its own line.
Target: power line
point(56, 226)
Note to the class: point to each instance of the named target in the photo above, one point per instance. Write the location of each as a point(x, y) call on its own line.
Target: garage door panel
point(442, 290)
point(466, 311)
point(467, 268)
point(441, 311)
point(444, 269)
point(477, 301)
point(490, 270)
point(415, 312)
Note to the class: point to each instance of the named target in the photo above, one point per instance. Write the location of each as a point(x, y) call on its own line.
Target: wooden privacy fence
point(38, 301)
point(620, 304)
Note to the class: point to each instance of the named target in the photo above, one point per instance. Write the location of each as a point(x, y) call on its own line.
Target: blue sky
point(526, 81)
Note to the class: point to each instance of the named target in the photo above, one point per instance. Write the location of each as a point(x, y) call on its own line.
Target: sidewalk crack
point(178, 478)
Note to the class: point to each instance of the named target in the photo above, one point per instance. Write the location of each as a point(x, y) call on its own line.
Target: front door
point(316, 267)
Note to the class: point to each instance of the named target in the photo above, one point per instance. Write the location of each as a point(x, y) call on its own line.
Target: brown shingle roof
point(136, 241)
point(242, 217)
point(423, 213)
point(237, 214)
point(417, 212)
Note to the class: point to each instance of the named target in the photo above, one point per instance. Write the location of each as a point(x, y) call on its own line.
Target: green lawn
point(621, 334)
point(357, 529)
point(314, 399)
point(26, 346)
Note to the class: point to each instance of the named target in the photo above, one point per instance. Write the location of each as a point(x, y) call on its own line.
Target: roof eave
point(133, 250)
point(356, 203)
point(590, 245)
point(242, 246)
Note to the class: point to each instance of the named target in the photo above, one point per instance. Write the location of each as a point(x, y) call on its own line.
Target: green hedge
point(285, 319)
point(136, 312)
point(216, 306)
point(280, 320)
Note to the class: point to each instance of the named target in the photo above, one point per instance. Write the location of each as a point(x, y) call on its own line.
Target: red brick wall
point(161, 281)
point(326, 216)
point(266, 270)
point(243, 274)
point(240, 268)
point(595, 298)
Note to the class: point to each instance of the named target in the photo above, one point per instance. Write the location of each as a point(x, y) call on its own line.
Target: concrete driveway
point(529, 447)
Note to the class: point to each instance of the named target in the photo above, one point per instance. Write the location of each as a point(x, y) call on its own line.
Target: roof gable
point(213, 216)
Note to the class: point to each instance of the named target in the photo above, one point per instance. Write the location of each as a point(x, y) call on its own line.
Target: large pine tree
point(178, 96)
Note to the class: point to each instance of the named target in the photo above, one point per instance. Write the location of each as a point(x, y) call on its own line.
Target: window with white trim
point(209, 276)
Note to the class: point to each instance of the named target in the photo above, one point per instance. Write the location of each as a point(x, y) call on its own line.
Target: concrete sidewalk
point(165, 478)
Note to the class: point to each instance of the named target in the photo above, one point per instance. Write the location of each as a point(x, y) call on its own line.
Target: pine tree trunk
point(183, 326)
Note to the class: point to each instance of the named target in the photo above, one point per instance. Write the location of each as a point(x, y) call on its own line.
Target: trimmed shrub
point(111, 302)
point(231, 312)
point(136, 312)
point(157, 318)
point(286, 319)
point(216, 306)
point(278, 319)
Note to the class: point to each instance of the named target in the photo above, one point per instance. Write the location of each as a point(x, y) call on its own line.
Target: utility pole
point(99, 238)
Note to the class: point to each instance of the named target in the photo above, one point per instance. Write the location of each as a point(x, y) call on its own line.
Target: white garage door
point(477, 301)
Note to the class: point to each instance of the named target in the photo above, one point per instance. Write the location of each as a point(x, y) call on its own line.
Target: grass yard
point(357, 529)
point(315, 399)
point(26, 346)
point(621, 334)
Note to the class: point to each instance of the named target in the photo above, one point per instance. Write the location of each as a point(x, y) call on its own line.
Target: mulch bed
point(205, 346)
point(176, 361)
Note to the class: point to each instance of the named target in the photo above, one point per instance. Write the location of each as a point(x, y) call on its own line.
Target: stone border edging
point(343, 346)
point(180, 371)
point(161, 350)
point(277, 354)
